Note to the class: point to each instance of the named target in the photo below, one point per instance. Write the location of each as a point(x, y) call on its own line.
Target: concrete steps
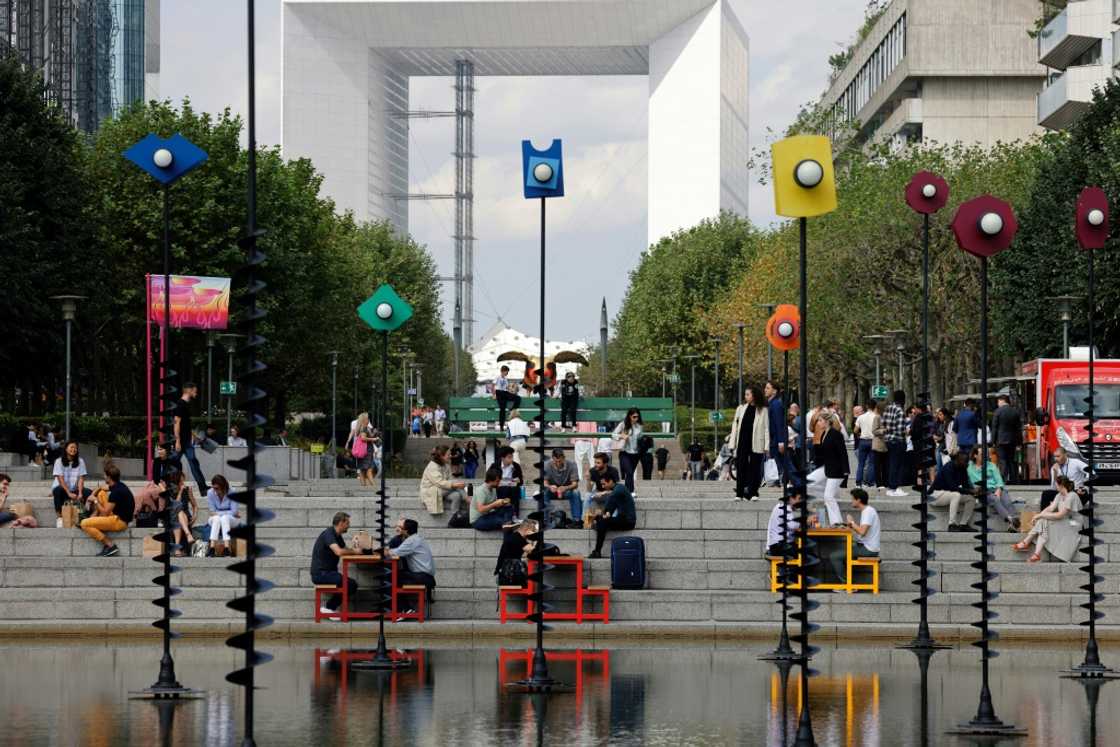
point(704, 556)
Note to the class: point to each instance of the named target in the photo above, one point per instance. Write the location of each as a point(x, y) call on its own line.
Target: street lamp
point(674, 351)
point(878, 352)
point(334, 412)
point(230, 341)
point(899, 349)
point(739, 326)
point(691, 397)
point(211, 338)
point(355, 391)
point(715, 417)
point(1065, 314)
point(69, 312)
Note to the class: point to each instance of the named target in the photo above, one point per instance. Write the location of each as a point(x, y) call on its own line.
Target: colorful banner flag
point(196, 302)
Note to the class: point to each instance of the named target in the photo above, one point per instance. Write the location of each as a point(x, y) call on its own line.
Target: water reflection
point(76, 694)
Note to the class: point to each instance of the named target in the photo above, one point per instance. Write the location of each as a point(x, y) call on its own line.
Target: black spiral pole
point(784, 652)
point(1091, 667)
point(381, 659)
point(540, 681)
point(255, 405)
point(809, 558)
point(985, 722)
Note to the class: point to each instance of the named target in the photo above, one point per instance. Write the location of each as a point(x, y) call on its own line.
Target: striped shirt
point(894, 423)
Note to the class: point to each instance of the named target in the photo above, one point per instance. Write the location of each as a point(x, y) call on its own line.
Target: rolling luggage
point(628, 563)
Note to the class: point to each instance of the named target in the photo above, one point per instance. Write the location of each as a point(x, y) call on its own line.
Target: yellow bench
point(850, 585)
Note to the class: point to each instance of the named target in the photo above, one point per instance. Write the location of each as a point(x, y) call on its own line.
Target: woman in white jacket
point(750, 438)
point(436, 484)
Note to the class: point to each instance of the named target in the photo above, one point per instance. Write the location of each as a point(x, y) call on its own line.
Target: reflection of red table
point(579, 656)
point(345, 656)
point(346, 615)
point(579, 616)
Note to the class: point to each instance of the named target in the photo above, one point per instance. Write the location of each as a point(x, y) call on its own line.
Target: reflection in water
point(76, 694)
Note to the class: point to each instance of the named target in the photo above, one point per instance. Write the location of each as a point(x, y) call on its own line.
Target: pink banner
point(196, 302)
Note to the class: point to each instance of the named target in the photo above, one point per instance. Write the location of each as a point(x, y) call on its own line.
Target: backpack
point(513, 572)
point(459, 520)
point(555, 519)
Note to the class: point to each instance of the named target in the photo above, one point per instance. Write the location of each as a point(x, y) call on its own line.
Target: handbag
point(513, 572)
point(70, 515)
point(459, 520)
point(360, 448)
point(147, 519)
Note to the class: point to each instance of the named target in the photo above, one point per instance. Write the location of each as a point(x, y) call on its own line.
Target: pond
point(652, 692)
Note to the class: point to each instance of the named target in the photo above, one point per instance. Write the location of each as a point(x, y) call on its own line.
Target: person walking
point(184, 434)
point(894, 433)
point(865, 436)
point(1007, 432)
point(967, 426)
point(626, 436)
point(781, 449)
point(750, 438)
point(833, 455)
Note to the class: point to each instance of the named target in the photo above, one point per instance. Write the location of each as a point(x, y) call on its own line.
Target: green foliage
point(1050, 8)
point(676, 281)
point(1046, 260)
point(82, 219)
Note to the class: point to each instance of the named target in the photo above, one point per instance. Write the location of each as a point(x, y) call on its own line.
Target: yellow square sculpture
point(803, 200)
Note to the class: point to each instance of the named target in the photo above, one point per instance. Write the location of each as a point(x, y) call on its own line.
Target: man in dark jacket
point(952, 488)
point(779, 451)
point(1007, 432)
point(967, 426)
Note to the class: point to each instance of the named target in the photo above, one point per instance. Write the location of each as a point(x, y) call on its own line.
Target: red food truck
point(1057, 387)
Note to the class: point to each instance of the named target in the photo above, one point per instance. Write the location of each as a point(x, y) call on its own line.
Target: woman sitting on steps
point(1058, 527)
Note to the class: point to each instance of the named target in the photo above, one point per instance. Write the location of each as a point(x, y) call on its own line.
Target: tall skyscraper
point(96, 56)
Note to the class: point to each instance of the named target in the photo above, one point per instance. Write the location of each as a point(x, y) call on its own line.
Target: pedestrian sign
point(228, 388)
point(674, 378)
point(879, 391)
point(715, 416)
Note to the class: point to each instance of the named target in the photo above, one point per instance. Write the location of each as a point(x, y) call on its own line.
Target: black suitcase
point(628, 563)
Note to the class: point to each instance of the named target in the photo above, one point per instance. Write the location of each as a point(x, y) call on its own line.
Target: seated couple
point(957, 485)
point(781, 531)
point(496, 501)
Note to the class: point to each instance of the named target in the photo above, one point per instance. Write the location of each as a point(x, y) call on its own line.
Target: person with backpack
point(619, 515)
point(511, 568)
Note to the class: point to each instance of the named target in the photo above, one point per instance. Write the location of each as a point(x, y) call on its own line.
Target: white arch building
point(347, 64)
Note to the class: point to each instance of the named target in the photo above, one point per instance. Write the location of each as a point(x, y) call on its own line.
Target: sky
point(596, 234)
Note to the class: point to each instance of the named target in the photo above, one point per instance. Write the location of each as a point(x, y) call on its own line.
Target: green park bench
point(599, 410)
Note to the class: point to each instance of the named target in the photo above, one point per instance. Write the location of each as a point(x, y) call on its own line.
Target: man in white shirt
point(441, 420)
point(779, 542)
point(867, 530)
point(865, 433)
point(507, 400)
point(1064, 466)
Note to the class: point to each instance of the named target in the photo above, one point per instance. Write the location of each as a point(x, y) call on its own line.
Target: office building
point(942, 70)
point(1079, 47)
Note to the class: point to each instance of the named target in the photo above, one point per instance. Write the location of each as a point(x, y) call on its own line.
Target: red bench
point(505, 593)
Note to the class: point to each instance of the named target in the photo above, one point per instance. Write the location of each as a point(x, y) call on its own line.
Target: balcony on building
point(1074, 31)
point(1116, 11)
point(1069, 95)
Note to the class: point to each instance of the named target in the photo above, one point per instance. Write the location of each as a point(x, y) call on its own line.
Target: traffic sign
point(715, 416)
point(880, 391)
point(412, 392)
point(228, 388)
point(674, 378)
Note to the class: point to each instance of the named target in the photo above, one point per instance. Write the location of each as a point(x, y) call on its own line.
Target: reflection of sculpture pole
point(924, 654)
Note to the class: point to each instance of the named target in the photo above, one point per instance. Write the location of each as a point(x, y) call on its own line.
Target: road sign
point(318, 448)
point(228, 388)
point(412, 392)
point(880, 391)
point(674, 378)
point(715, 416)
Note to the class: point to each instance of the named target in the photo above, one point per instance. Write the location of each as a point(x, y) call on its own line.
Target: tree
point(1046, 260)
point(676, 281)
point(44, 241)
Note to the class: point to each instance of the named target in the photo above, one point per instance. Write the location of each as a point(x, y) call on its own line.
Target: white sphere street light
point(162, 158)
point(542, 172)
point(808, 173)
point(991, 224)
point(929, 191)
point(384, 310)
point(1096, 217)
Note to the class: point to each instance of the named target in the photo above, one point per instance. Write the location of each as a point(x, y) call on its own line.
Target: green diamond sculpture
point(385, 310)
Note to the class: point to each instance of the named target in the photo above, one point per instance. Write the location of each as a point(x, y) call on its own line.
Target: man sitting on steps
point(561, 483)
point(865, 543)
point(618, 516)
point(329, 547)
point(596, 476)
point(419, 567)
point(952, 488)
point(779, 542)
point(112, 515)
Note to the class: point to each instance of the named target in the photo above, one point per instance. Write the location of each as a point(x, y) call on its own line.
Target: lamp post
point(739, 326)
point(769, 348)
point(715, 398)
point(1092, 226)
point(384, 312)
point(1065, 314)
point(926, 193)
point(985, 226)
point(457, 335)
point(604, 330)
point(878, 352)
point(355, 391)
point(69, 313)
point(900, 349)
point(230, 341)
point(211, 338)
point(674, 351)
point(691, 397)
point(804, 186)
point(334, 412)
